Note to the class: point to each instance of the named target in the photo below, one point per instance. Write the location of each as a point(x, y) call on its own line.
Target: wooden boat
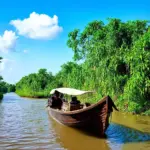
point(94, 118)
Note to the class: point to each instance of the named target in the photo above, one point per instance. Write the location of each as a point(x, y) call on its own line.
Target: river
point(26, 125)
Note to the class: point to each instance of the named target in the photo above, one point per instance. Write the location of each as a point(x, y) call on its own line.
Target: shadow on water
point(122, 134)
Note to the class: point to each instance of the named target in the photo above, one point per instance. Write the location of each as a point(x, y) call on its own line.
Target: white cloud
point(8, 41)
point(38, 26)
point(5, 64)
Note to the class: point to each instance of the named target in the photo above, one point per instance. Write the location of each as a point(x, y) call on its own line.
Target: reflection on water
point(118, 137)
point(73, 139)
point(25, 124)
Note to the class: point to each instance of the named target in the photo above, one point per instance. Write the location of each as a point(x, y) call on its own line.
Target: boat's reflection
point(73, 139)
point(117, 136)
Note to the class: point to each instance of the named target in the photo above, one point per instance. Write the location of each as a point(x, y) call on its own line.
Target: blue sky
point(30, 41)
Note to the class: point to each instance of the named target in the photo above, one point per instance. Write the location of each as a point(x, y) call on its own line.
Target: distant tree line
point(112, 59)
point(5, 87)
point(36, 84)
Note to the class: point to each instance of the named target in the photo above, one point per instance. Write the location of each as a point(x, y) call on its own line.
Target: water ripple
point(25, 125)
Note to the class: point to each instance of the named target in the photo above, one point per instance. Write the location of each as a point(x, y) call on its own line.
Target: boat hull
point(94, 119)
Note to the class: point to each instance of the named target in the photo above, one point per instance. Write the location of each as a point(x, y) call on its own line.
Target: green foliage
point(1, 96)
point(11, 88)
point(116, 60)
point(147, 113)
point(111, 59)
point(5, 87)
point(36, 84)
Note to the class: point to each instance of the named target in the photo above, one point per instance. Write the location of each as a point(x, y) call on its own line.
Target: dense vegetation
point(111, 59)
point(36, 84)
point(5, 87)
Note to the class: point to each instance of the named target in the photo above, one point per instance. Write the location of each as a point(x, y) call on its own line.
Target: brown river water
point(26, 125)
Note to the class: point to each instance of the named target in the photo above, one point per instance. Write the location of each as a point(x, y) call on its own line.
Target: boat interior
point(66, 106)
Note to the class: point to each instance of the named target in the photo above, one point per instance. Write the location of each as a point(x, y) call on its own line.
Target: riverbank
point(35, 97)
point(40, 95)
point(31, 94)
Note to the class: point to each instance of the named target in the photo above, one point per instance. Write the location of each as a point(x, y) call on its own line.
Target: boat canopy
point(70, 91)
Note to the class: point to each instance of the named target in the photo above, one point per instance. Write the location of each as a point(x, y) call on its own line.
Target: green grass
point(32, 94)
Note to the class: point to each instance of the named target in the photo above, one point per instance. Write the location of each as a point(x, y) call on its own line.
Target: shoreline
point(33, 97)
point(39, 97)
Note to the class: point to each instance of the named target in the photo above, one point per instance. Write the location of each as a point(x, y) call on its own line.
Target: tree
point(112, 59)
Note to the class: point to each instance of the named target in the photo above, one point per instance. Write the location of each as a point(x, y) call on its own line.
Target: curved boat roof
point(70, 91)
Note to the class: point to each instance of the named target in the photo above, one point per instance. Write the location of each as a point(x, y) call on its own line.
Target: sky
point(34, 33)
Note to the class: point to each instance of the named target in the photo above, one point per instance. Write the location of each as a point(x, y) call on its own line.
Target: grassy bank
point(31, 94)
point(91, 98)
